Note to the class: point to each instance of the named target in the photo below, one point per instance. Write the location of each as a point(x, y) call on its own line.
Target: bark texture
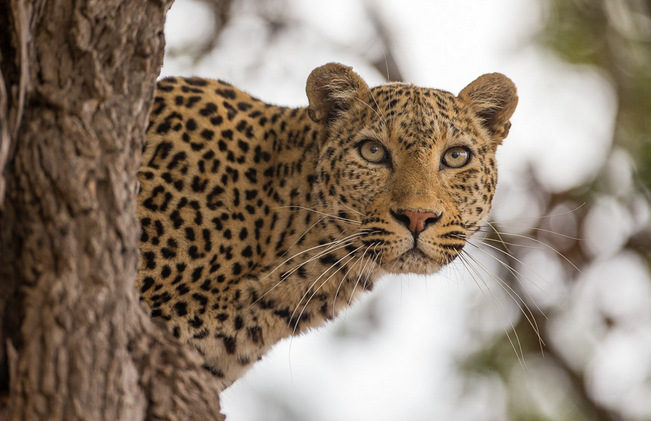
point(76, 86)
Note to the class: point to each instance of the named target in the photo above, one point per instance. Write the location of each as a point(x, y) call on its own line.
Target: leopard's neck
point(289, 152)
point(305, 276)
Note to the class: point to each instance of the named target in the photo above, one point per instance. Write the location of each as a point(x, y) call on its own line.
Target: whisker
point(287, 274)
point(307, 291)
point(528, 314)
point(361, 273)
point(349, 240)
point(352, 221)
point(350, 299)
point(350, 208)
point(358, 233)
point(305, 233)
point(507, 243)
point(465, 265)
point(291, 340)
point(320, 286)
point(547, 231)
point(497, 232)
point(513, 270)
point(341, 244)
point(520, 355)
point(382, 117)
point(332, 246)
point(542, 243)
point(369, 107)
point(549, 216)
point(343, 279)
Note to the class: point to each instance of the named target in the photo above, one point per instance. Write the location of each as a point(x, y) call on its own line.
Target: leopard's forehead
point(417, 117)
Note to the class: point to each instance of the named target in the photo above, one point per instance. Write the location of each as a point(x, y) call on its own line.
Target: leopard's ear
point(331, 90)
point(493, 98)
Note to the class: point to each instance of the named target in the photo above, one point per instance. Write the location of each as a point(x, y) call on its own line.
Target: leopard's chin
point(412, 261)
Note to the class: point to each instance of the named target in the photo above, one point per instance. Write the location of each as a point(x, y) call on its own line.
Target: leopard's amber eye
point(456, 157)
point(373, 151)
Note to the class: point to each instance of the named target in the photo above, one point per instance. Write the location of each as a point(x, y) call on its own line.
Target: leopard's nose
point(416, 221)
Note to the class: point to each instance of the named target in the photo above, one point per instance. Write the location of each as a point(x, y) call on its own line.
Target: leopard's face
point(416, 168)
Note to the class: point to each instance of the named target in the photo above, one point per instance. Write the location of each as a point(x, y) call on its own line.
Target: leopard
point(260, 222)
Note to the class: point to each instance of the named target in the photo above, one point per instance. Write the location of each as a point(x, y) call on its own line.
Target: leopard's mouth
point(413, 260)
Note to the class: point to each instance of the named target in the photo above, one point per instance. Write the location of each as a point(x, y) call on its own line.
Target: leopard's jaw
point(260, 221)
point(412, 261)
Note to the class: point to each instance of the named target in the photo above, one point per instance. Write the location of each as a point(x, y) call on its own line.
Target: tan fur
point(493, 97)
point(260, 221)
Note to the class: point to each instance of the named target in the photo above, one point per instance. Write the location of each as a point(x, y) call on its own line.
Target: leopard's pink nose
point(416, 221)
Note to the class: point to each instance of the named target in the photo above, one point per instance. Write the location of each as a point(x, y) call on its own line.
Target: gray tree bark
point(76, 85)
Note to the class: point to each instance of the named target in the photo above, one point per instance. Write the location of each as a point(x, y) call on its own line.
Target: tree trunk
point(76, 86)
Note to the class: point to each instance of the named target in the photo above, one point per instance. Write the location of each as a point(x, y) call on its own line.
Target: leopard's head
point(414, 166)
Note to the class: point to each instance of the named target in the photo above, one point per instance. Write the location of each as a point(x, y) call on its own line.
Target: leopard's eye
point(373, 151)
point(456, 157)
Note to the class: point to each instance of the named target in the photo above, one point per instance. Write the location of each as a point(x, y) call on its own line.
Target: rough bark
point(76, 86)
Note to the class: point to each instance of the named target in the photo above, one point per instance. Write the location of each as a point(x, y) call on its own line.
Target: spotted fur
point(260, 221)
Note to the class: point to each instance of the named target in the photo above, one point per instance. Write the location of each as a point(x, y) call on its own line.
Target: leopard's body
point(261, 221)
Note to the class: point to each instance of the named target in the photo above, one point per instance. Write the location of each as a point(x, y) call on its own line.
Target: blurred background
point(548, 315)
